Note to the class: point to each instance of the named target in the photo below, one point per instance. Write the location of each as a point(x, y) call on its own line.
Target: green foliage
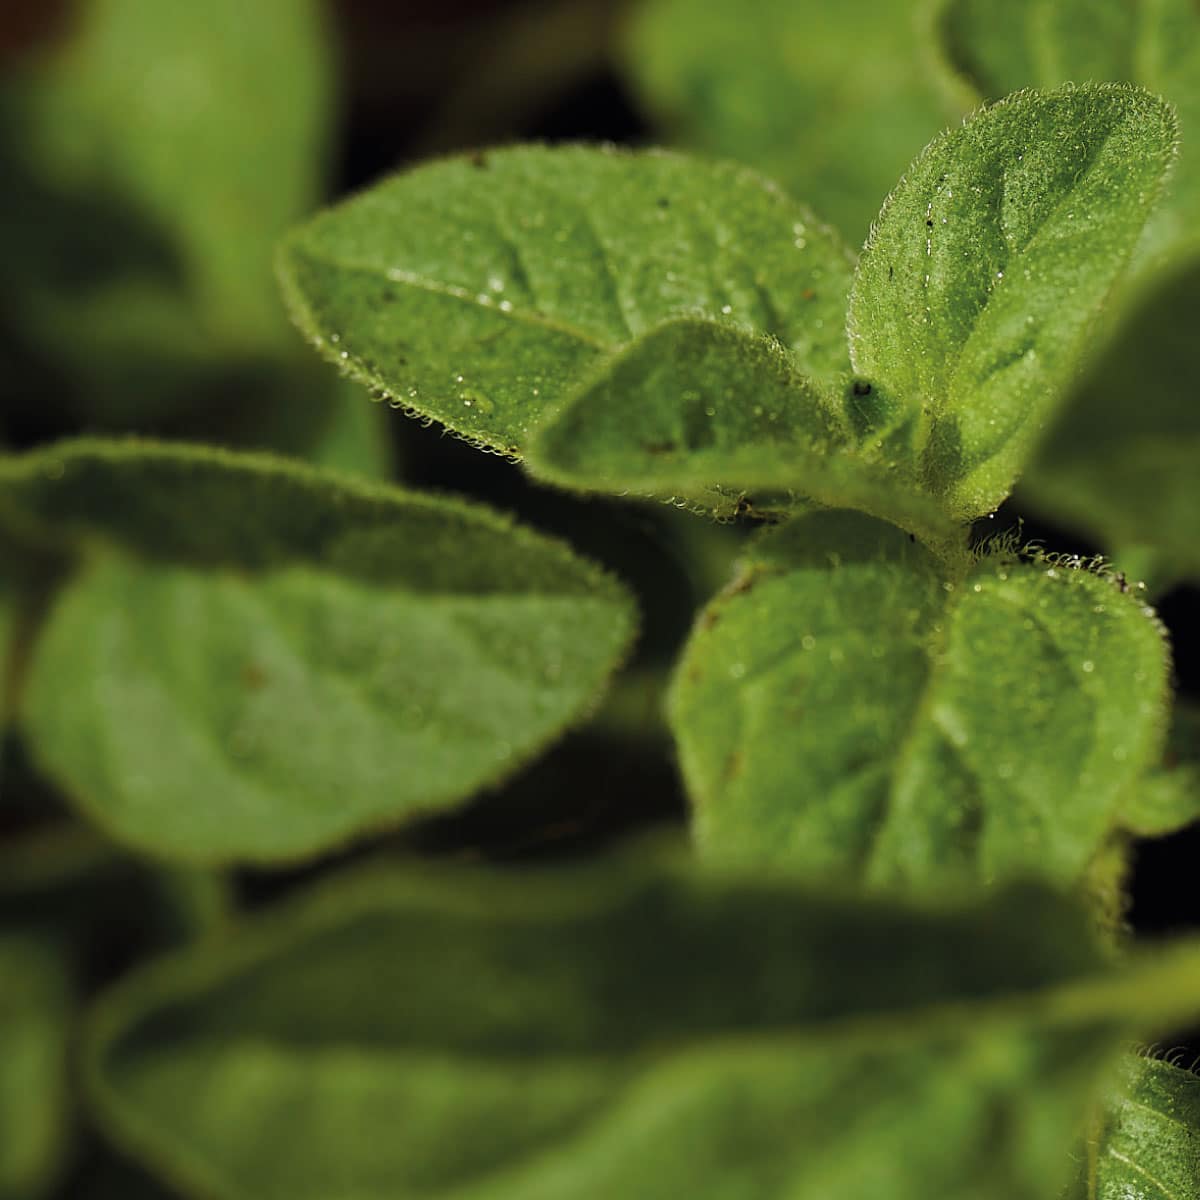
point(974, 724)
point(960, 310)
point(33, 1067)
point(917, 759)
point(661, 1030)
point(313, 659)
point(1121, 472)
point(833, 100)
point(1145, 1144)
point(478, 291)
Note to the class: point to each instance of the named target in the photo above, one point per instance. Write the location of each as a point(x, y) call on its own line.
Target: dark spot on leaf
point(929, 222)
point(479, 160)
point(862, 387)
point(808, 294)
point(733, 766)
point(253, 676)
point(891, 272)
point(663, 202)
point(660, 447)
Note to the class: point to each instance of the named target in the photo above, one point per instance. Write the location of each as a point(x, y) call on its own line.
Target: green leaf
point(982, 278)
point(152, 100)
point(478, 291)
point(1146, 1142)
point(993, 49)
point(293, 658)
point(1168, 799)
point(1124, 471)
point(623, 1033)
point(847, 708)
point(722, 419)
point(34, 1015)
point(833, 100)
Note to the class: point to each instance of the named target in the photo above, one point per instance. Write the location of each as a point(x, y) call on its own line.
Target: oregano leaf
point(723, 419)
point(261, 661)
point(620, 1031)
point(1168, 798)
point(906, 724)
point(986, 269)
point(478, 291)
point(141, 88)
point(34, 1039)
point(1145, 1144)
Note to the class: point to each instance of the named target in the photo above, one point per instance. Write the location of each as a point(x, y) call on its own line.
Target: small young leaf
point(34, 1016)
point(710, 413)
point(847, 708)
point(624, 1033)
point(293, 658)
point(1146, 1145)
point(833, 100)
point(478, 291)
point(986, 269)
point(1125, 470)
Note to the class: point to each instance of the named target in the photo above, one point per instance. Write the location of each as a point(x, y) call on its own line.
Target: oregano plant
point(314, 877)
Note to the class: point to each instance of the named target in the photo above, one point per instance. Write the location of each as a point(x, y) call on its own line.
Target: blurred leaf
point(478, 291)
point(1168, 798)
point(295, 658)
point(357, 438)
point(833, 100)
point(1146, 1143)
point(34, 1016)
point(982, 278)
point(1122, 462)
point(994, 49)
point(211, 120)
point(644, 1034)
point(709, 413)
point(150, 164)
point(903, 725)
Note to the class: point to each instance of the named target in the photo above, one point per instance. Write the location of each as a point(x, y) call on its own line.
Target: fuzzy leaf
point(636, 1033)
point(34, 1016)
point(478, 291)
point(987, 267)
point(286, 658)
point(711, 413)
point(1122, 462)
point(1146, 1145)
point(848, 709)
point(995, 49)
point(833, 100)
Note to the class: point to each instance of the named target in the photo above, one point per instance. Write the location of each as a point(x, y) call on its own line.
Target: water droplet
point(496, 283)
point(737, 670)
point(344, 355)
point(1088, 666)
point(977, 587)
point(710, 411)
point(506, 306)
point(727, 309)
point(808, 641)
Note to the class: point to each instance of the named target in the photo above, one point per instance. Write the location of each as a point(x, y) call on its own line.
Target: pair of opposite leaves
point(526, 271)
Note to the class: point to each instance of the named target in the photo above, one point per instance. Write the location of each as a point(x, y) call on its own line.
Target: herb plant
point(281, 698)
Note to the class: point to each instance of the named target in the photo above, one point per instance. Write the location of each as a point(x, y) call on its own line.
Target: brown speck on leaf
point(253, 676)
